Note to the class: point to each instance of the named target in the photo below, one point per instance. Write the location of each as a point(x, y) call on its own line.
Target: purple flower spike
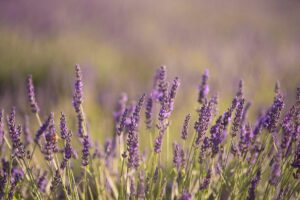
point(184, 132)
point(172, 94)
point(15, 133)
point(120, 108)
point(1, 127)
point(254, 182)
point(63, 126)
point(42, 129)
point(78, 85)
point(206, 180)
point(178, 156)
point(203, 88)
point(85, 151)
point(158, 143)
point(237, 121)
point(185, 196)
point(148, 113)
point(51, 140)
point(31, 95)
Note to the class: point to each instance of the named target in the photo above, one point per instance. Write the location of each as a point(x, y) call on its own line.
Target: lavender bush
point(218, 156)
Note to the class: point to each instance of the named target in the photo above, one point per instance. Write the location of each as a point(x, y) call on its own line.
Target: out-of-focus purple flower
point(254, 182)
point(178, 156)
point(204, 147)
point(141, 188)
point(237, 121)
point(201, 125)
point(132, 190)
point(42, 129)
point(51, 140)
point(185, 195)
point(119, 110)
point(42, 181)
point(158, 143)
point(162, 85)
point(27, 135)
point(85, 150)
point(31, 95)
point(203, 88)
point(1, 127)
point(296, 162)
point(275, 169)
point(56, 181)
point(16, 177)
point(240, 92)
point(15, 133)
point(149, 112)
point(206, 180)
point(184, 132)
point(78, 85)
point(245, 111)
point(63, 126)
point(288, 127)
point(122, 123)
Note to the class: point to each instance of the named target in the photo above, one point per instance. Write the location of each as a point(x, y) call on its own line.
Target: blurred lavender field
point(121, 43)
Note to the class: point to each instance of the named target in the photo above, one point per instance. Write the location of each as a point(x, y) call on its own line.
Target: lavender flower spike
point(78, 85)
point(254, 182)
point(51, 140)
point(148, 112)
point(63, 126)
point(42, 129)
point(1, 127)
point(184, 132)
point(31, 95)
point(85, 151)
point(172, 94)
point(203, 88)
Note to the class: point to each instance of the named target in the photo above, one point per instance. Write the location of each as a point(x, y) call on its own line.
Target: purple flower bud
point(215, 136)
point(122, 123)
point(178, 156)
point(274, 112)
point(184, 132)
point(275, 170)
point(172, 94)
point(158, 143)
point(85, 150)
point(206, 181)
point(203, 88)
point(42, 181)
point(56, 181)
point(245, 139)
point(63, 126)
point(42, 129)
point(120, 108)
point(148, 113)
point(185, 195)
point(237, 121)
point(205, 115)
point(51, 140)
point(204, 147)
point(31, 95)
point(1, 127)
point(15, 133)
point(78, 85)
point(254, 182)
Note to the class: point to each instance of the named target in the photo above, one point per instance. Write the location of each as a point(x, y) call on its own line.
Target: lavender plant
point(226, 156)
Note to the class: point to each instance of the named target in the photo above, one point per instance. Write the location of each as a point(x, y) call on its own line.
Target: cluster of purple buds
point(184, 132)
point(42, 181)
point(85, 151)
point(274, 112)
point(179, 156)
point(42, 129)
point(1, 127)
point(185, 195)
point(206, 180)
point(17, 176)
point(120, 108)
point(122, 123)
point(133, 140)
point(245, 139)
point(205, 115)
point(56, 181)
point(216, 136)
point(65, 135)
point(204, 147)
point(31, 95)
point(237, 121)
point(203, 88)
point(296, 162)
point(15, 133)
point(149, 112)
point(51, 140)
point(254, 182)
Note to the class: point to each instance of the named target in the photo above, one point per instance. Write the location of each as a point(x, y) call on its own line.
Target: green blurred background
point(119, 44)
